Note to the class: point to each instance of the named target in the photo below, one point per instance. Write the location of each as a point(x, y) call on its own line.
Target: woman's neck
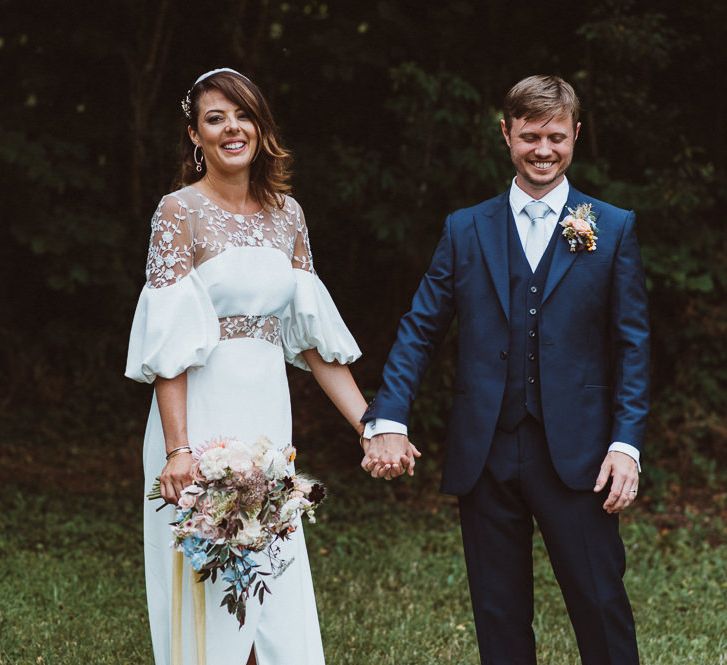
point(232, 191)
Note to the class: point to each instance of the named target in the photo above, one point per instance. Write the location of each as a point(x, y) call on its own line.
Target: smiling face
point(541, 150)
point(226, 134)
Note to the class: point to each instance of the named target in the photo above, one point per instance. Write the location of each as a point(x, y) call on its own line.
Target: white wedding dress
point(229, 298)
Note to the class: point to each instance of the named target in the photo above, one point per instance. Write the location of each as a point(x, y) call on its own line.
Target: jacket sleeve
point(630, 330)
point(420, 329)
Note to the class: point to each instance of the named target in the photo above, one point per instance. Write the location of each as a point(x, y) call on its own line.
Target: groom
point(550, 397)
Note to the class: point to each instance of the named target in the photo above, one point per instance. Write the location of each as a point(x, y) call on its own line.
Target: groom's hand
point(625, 481)
point(389, 456)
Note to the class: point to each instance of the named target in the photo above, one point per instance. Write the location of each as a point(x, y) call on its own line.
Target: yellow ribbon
point(198, 601)
point(177, 562)
point(199, 618)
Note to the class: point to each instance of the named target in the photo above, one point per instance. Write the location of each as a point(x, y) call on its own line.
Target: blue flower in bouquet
point(195, 549)
point(182, 516)
point(240, 571)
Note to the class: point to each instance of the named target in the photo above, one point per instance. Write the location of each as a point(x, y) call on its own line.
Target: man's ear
point(505, 132)
point(578, 131)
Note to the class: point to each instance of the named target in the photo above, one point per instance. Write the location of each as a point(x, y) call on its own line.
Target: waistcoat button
point(533, 289)
point(504, 355)
point(533, 311)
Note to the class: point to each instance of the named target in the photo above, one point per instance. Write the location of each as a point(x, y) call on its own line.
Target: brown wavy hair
point(270, 170)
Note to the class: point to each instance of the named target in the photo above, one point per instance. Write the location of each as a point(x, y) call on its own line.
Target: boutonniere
point(579, 228)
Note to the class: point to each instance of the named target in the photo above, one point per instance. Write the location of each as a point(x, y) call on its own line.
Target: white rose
point(240, 461)
point(239, 456)
point(213, 463)
point(274, 464)
point(252, 532)
point(289, 509)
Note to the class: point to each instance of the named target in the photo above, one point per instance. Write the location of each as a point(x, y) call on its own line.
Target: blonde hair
point(540, 97)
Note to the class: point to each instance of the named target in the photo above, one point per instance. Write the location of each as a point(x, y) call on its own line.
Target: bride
point(230, 295)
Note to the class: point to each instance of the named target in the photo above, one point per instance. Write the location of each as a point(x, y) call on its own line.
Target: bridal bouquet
point(243, 499)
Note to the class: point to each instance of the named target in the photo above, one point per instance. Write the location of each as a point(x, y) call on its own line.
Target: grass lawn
point(389, 576)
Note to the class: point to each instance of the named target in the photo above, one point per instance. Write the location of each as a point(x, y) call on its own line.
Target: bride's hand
point(413, 454)
point(175, 476)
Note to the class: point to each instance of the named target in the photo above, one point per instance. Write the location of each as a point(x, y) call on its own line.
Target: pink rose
point(581, 225)
point(186, 501)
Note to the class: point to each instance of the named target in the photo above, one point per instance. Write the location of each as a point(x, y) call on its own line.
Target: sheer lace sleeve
point(312, 320)
point(175, 325)
point(171, 244)
point(302, 255)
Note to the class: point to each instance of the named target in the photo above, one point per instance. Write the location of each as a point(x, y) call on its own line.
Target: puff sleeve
point(175, 326)
point(311, 320)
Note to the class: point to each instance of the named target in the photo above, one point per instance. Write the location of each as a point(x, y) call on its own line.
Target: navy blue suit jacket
point(593, 342)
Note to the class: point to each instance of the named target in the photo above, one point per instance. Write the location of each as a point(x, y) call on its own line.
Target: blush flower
point(579, 228)
point(579, 225)
point(186, 501)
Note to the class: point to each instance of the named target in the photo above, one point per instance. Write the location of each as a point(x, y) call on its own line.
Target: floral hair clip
point(187, 104)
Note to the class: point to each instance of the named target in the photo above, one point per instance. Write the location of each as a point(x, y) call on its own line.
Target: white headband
point(212, 72)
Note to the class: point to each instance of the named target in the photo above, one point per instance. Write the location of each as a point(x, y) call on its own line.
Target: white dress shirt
point(555, 199)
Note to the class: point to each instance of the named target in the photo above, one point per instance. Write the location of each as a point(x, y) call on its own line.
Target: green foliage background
point(391, 109)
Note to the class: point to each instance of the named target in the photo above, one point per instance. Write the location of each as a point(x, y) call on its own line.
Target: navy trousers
point(518, 484)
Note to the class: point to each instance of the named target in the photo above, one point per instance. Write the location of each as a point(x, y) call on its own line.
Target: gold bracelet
point(178, 451)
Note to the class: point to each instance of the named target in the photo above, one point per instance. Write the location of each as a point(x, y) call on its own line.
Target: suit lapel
point(491, 229)
point(563, 258)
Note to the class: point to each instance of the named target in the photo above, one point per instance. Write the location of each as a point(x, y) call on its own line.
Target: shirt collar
point(555, 198)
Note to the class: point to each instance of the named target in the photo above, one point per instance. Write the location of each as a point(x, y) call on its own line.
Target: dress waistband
point(265, 327)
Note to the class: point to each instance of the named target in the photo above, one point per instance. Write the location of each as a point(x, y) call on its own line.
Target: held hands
point(389, 456)
point(175, 476)
point(625, 484)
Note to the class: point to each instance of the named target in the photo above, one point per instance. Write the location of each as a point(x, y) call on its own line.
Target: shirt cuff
point(384, 426)
point(621, 447)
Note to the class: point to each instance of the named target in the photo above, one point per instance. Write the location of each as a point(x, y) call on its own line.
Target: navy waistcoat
point(522, 389)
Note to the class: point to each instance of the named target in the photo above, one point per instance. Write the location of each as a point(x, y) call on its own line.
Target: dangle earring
point(199, 161)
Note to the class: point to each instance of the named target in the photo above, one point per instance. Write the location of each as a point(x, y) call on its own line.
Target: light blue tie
point(538, 237)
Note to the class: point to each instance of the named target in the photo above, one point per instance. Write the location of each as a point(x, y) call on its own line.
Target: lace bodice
point(215, 278)
point(188, 229)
